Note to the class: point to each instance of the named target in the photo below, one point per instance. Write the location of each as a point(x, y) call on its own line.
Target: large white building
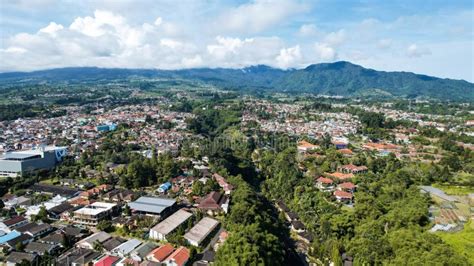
point(201, 231)
point(161, 230)
point(17, 163)
point(94, 213)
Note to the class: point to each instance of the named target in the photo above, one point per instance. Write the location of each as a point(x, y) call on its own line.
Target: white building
point(161, 230)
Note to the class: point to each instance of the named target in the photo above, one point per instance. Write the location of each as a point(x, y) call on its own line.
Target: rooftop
point(172, 222)
point(95, 208)
point(151, 204)
point(200, 231)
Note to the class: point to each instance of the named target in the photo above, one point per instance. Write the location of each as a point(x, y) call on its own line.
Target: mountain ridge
point(339, 78)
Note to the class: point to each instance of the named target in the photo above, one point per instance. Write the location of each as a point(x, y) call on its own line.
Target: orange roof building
point(161, 253)
point(179, 257)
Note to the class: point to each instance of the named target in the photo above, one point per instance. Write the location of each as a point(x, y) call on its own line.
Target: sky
point(429, 37)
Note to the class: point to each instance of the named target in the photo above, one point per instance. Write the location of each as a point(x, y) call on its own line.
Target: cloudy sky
point(434, 37)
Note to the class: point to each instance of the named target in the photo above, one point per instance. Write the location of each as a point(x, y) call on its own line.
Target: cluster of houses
point(85, 131)
point(339, 183)
point(88, 208)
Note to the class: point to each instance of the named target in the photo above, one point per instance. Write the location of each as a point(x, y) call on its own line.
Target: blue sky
point(430, 37)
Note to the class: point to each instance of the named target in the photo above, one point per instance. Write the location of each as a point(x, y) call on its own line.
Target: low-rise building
point(17, 163)
point(201, 231)
point(88, 242)
point(152, 205)
point(94, 213)
point(178, 258)
point(161, 230)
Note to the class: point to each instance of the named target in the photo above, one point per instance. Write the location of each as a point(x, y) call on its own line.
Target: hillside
point(339, 78)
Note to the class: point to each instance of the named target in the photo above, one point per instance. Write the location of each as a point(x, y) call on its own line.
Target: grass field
point(462, 242)
point(454, 190)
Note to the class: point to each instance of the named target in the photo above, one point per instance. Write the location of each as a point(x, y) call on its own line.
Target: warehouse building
point(161, 230)
point(201, 231)
point(17, 163)
point(153, 206)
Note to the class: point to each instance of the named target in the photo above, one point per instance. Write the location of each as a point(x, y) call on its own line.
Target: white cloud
point(288, 57)
point(191, 62)
point(257, 15)
point(415, 51)
point(158, 21)
point(52, 28)
point(170, 43)
point(384, 43)
point(226, 46)
point(13, 49)
point(325, 52)
point(308, 30)
point(335, 38)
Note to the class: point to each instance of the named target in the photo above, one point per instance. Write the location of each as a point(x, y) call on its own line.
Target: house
point(214, 203)
point(14, 222)
point(161, 230)
point(7, 237)
point(178, 258)
point(35, 230)
point(140, 253)
point(161, 253)
point(78, 257)
point(346, 152)
point(113, 242)
point(56, 212)
point(88, 242)
point(94, 213)
point(199, 232)
point(347, 186)
point(343, 196)
point(41, 248)
point(54, 239)
point(340, 144)
point(94, 192)
point(223, 183)
point(340, 176)
point(350, 168)
point(54, 190)
point(164, 187)
point(125, 248)
point(119, 195)
point(304, 146)
point(207, 258)
point(107, 260)
point(324, 184)
point(297, 226)
point(23, 239)
point(152, 205)
point(127, 262)
point(18, 257)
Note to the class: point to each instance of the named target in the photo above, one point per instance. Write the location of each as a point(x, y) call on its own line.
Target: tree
point(42, 215)
point(105, 226)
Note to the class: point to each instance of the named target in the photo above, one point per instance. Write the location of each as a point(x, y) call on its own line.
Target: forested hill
point(339, 78)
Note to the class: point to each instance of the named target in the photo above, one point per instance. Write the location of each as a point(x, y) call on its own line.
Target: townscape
point(236, 133)
point(165, 182)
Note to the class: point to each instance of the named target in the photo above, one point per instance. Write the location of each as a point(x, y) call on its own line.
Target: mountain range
point(339, 78)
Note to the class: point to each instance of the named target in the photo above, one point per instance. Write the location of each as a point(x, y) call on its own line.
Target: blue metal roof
point(151, 204)
point(12, 235)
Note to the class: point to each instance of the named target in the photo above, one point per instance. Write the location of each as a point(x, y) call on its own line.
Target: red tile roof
point(347, 185)
point(342, 194)
point(160, 253)
point(106, 261)
point(180, 256)
point(324, 180)
point(341, 176)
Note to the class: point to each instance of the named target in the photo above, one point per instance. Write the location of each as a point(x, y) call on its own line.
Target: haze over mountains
point(339, 78)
